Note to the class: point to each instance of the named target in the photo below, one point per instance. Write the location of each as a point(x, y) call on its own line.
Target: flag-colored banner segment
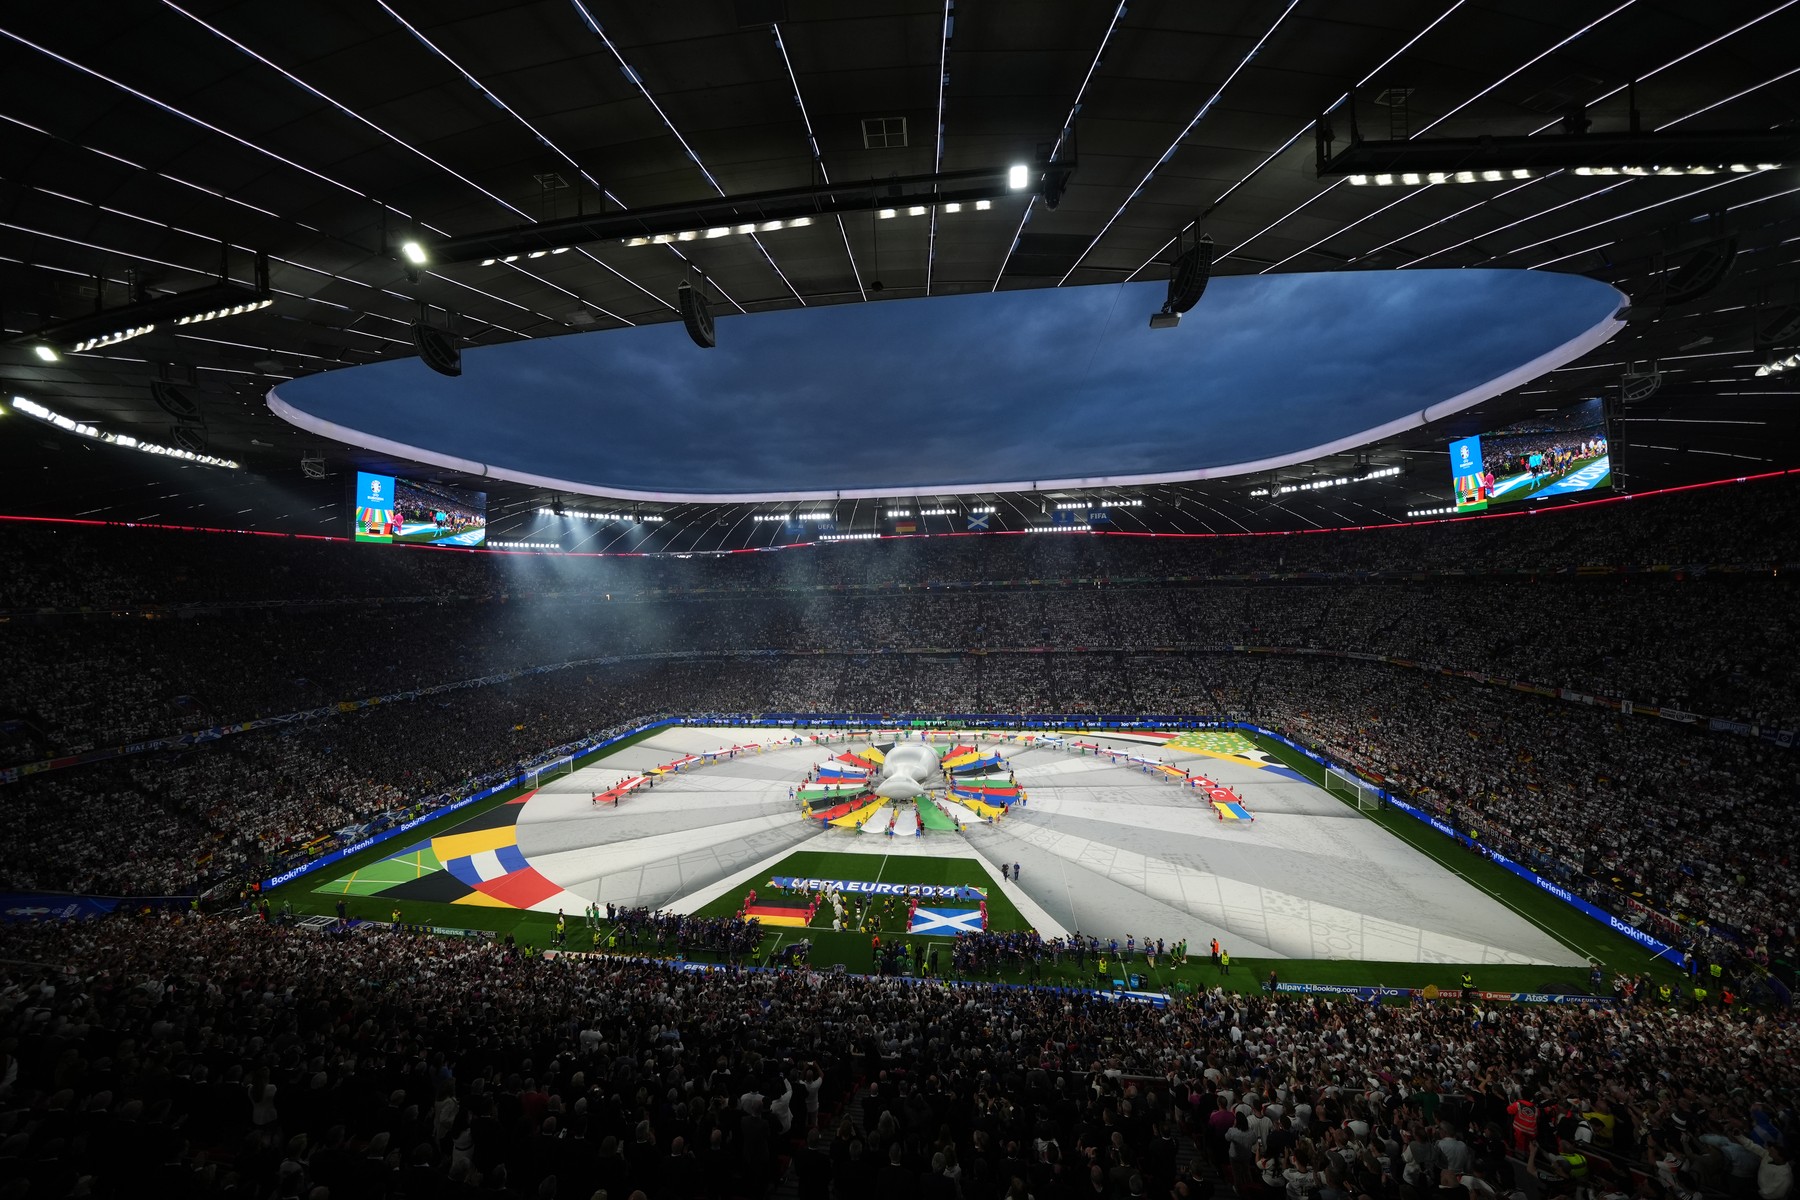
point(923, 890)
point(946, 920)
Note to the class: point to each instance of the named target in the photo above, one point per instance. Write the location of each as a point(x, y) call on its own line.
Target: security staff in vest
point(1666, 994)
point(1568, 1164)
point(1468, 986)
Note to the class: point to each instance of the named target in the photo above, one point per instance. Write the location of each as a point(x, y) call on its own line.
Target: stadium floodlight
point(1777, 365)
point(744, 213)
point(1418, 162)
point(108, 327)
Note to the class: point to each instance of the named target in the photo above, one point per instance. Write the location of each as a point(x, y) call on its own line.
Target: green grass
point(312, 894)
point(881, 868)
point(319, 892)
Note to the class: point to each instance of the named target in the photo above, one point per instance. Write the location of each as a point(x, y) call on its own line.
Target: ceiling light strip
point(1182, 136)
point(398, 141)
point(215, 241)
point(176, 112)
point(1602, 191)
point(343, 108)
point(1622, 216)
point(535, 132)
point(1597, 100)
point(1062, 135)
point(1525, 66)
point(818, 157)
point(137, 166)
point(638, 81)
point(937, 158)
point(1303, 131)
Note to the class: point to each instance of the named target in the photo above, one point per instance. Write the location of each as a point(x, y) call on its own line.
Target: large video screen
point(1550, 455)
point(391, 509)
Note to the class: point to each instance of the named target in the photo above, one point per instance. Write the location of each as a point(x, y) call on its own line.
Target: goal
point(550, 770)
point(1340, 782)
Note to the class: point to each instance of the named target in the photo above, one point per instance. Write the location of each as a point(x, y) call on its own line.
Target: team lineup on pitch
point(1193, 837)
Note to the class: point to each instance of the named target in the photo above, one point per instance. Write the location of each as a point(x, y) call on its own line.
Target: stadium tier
point(899, 601)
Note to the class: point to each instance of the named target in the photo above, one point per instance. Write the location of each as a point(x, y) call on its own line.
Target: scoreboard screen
point(391, 509)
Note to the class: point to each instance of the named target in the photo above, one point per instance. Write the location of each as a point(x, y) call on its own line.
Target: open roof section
point(326, 136)
point(985, 392)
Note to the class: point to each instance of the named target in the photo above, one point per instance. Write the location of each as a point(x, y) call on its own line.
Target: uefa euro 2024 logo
point(1465, 454)
point(375, 489)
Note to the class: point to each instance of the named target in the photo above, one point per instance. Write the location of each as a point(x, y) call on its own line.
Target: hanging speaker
point(437, 349)
point(1780, 328)
point(1701, 273)
point(1188, 276)
point(1639, 385)
point(174, 401)
point(696, 314)
point(188, 439)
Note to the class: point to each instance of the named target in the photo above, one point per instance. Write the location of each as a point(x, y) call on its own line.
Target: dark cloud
point(967, 390)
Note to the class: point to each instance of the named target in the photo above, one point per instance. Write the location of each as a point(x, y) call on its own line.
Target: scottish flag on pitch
point(946, 920)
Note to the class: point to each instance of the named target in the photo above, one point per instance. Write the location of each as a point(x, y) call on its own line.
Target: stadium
point(748, 600)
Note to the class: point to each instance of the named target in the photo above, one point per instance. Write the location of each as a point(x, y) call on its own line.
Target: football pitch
point(885, 869)
point(1110, 845)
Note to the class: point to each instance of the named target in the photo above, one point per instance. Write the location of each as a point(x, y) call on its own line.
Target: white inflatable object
point(906, 771)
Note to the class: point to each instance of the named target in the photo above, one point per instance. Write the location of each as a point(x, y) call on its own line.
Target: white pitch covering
point(1104, 848)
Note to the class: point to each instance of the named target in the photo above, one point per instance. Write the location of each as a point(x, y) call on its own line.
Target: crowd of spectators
point(220, 1058)
point(658, 931)
point(1645, 817)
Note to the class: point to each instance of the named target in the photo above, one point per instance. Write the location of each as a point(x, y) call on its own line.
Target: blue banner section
point(325, 860)
point(49, 906)
point(928, 891)
point(1388, 993)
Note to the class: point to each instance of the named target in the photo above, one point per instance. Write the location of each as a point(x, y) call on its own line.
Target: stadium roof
point(152, 148)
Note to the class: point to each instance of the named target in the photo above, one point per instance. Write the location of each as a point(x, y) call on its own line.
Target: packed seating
point(221, 1058)
point(250, 627)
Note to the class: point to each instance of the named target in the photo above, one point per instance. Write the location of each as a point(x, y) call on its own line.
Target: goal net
point(551, 770)
point(1340, 782)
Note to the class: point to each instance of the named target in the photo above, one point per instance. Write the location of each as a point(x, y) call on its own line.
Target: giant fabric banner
point(47, 906)
point(357, 847)
point(925, 891)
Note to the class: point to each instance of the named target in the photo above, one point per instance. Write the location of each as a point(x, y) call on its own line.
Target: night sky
point(962, 391)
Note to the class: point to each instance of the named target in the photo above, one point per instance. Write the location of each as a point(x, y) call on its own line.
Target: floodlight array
point(641, 519)
point(1317, 484)
point(229, 311)
point(83, 429)
point(111, 339)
